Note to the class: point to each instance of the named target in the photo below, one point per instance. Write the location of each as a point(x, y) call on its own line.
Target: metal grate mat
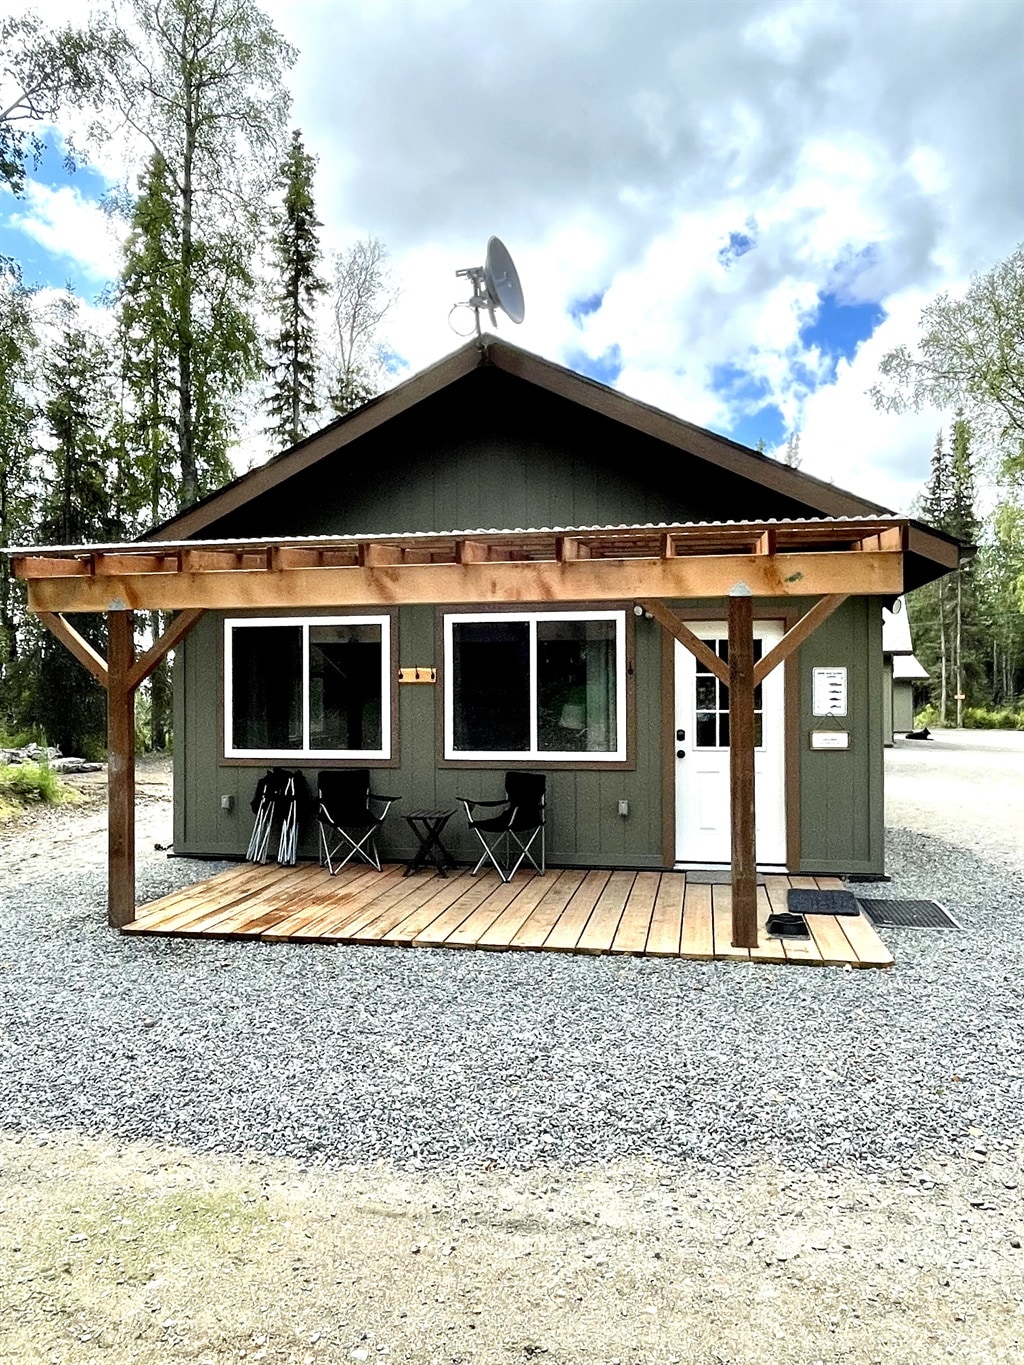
point(897, 914)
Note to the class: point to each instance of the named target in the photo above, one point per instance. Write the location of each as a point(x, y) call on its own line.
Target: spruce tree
point(76, 508)
point(292, 399)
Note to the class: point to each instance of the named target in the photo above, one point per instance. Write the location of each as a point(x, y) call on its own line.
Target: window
point(316, 688)
point(713, 700)
point(537, 685)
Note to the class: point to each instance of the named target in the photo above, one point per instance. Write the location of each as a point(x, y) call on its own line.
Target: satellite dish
point(502, 281)
point(495, 285)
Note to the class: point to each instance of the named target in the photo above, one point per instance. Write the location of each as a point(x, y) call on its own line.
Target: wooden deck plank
point(697, 940)
point(265, 908)
point(226, 886)
point(379, 905)
point(830, 883)
point(795, 949)
point(452, 904)
point(864, 940)
point(572, 910)
point(448, 921)
point(340, 907)
point(721, 919)
point(663, 937)
point(832, 943)
point(379, 925)
point(565, 934)
point(325, 901)
point(635, 925)
point(769, 949)
point(486, 914)
point(191, 918)
point(527, 926)
point(607, 913)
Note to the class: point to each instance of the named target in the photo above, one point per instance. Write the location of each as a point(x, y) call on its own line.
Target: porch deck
point(652, 914)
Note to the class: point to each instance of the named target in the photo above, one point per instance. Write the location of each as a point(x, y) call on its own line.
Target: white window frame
point(533, 754)
point(232, 624)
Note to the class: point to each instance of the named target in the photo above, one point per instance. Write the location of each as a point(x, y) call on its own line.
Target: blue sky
point(730, 211)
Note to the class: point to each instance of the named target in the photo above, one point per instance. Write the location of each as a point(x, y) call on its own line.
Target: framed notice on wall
point(828, 692)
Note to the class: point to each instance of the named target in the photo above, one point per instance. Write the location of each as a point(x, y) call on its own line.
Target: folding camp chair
point(516, 828)
point(347, 818)
point(276, 799)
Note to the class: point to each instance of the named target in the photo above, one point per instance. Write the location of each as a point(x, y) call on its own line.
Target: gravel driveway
point(764, 1103)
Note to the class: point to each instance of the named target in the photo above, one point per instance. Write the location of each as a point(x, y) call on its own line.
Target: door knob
point(680, 753)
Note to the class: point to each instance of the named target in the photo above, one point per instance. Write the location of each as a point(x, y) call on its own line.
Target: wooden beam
point(50, 566)
point(472, 552)
point(669, 621)
point(107, 565)
point(571, 547)
point(173, 635)
point(584, 580)
point(741, 771)
point(120, 770)
point(79, 647)
point(795, 637)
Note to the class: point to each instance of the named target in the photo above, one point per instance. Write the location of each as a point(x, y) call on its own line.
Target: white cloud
point(70, 227)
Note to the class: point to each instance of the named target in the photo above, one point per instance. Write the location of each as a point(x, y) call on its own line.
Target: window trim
point(576, 758)
point(384, 753)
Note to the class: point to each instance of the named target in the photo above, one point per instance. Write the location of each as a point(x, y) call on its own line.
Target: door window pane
point(266, 687)
point(345, 677)
point(576, 704)
point(491, 686)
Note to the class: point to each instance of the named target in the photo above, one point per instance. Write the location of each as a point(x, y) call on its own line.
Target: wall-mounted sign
point(830, 739)
point(417, 675)
point(828, 691)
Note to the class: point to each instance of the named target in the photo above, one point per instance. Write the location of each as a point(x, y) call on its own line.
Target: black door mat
point(822, 902)
point(896, 914)
point(784, 925)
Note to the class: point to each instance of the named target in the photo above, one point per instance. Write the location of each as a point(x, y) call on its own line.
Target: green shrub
point(975, 718)
point(31, 783)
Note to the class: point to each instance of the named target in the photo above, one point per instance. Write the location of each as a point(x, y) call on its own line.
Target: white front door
point(702, 753)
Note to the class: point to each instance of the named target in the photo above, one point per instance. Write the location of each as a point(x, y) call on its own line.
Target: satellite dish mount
point(495, 285)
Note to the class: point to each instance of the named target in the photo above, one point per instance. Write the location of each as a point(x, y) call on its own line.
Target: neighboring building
point(902, 670)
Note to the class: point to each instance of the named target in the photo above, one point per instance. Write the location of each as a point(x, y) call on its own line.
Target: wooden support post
point(741, 767)
point(120, 769)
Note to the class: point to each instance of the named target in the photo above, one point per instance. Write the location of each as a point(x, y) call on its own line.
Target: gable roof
point(717, 451)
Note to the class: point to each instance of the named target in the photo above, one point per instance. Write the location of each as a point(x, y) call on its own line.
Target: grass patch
point(29, 784)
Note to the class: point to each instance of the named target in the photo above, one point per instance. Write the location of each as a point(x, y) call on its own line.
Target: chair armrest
point(379, 796)
point(469, 801)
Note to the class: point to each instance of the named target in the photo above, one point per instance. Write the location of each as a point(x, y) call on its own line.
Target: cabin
point(501, 564)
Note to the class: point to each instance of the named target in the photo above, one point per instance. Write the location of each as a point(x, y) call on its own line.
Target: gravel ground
point(429, 1058)
point(243, 1152)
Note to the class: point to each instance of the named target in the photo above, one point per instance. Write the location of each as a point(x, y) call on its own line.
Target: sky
point(728, 208)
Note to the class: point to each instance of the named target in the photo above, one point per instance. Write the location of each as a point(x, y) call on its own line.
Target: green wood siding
point(493, 451)
point(584, 825)
point(842, 807)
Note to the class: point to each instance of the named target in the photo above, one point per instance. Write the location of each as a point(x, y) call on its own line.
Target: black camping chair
point(349, 815)
point(276, 798)
point(518, 824)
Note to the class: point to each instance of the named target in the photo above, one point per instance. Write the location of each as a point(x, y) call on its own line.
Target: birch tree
point(362, 293)
point(201, 84)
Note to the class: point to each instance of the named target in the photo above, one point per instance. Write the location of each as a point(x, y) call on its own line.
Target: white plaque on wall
point(830, 739)
point(828, 691)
